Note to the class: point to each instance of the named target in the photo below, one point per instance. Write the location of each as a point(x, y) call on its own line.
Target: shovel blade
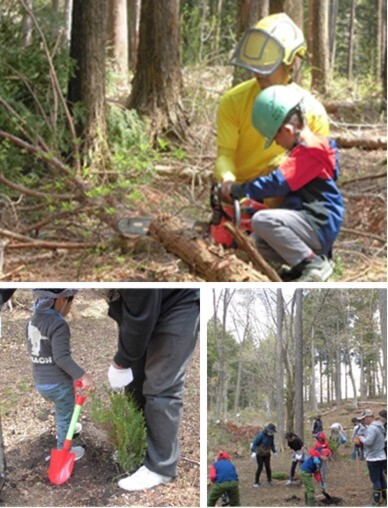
point(61, 466)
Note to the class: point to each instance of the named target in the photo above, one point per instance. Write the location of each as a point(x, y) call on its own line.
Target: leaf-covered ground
point(28, 422)
point(180, 187)
point(346, 480)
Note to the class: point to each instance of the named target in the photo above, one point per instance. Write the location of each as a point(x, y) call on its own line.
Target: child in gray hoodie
point(54, 370)
point(373, 442)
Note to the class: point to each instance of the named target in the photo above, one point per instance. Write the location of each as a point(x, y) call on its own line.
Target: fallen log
point(365, 142)
point(190, 247)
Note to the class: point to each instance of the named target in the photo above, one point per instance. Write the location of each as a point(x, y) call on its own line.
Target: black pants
point(263, 460)
point(376, 474)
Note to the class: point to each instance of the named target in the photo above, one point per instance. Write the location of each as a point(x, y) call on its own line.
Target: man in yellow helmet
point(269, 50)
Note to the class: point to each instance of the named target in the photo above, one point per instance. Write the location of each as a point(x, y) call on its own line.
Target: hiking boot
point(143, 479)
point(315, 269)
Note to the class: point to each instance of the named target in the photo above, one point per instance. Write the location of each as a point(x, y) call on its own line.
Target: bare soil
point(346, 480)
point(29, 429)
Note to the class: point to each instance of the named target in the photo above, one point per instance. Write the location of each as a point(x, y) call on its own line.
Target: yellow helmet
point(272, 41)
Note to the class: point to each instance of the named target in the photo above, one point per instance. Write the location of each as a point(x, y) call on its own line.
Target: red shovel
point(62, 461)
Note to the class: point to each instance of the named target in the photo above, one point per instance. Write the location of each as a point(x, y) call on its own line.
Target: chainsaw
point(239, 213)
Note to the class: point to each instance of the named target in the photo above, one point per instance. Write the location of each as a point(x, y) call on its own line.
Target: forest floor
point(346, 479)
point(180, 187)
point(28, 422)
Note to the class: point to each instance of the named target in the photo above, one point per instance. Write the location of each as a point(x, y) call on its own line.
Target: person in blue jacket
point(261, 449)
point(301, 232)
point(224, 478)
point(310, 470)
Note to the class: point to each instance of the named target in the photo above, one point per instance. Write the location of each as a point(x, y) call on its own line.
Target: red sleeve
point(213, 473)
point(304, 164)
point(318, 477)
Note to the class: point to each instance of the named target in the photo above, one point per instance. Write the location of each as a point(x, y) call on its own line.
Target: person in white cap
point(373, 441)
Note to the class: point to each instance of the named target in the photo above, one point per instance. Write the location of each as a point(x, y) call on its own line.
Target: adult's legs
point(167, 357)
point(260, 464)
point(267, 463)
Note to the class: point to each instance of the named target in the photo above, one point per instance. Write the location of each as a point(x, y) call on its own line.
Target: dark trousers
point(376, 474)
point(219, 488)
point(158, 384)
point(263, 460)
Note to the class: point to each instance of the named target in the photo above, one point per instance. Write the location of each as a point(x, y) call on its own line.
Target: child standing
point(54, 370)
point(310, 470)
point(358, 430)
point(300, 233)
point(224, 478)
point(261, 450)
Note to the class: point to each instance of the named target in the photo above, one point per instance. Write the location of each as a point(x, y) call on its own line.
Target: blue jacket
point(223, 471)
point(265, 444)
point(306, 179)
point(311, 465)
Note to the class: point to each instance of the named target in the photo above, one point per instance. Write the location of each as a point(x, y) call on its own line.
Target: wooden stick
point(257, 259)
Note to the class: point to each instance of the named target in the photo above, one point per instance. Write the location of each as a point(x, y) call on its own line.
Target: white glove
point(119, 378)
point(253, 456)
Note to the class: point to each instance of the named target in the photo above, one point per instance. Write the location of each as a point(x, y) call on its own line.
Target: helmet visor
point(258, 52)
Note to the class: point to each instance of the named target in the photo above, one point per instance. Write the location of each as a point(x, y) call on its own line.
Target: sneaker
point(291, 481)
point(143, 479)
point(270, 482)
point(315, 269)
point(77, 430)
point(256, 485)
point(78, 451)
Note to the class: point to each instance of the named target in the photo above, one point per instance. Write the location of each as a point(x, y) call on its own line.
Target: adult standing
point(261, 449)
point(374, 441)
point(298, 454)
point(317, 425)
point(158, 330)
point(269, 50)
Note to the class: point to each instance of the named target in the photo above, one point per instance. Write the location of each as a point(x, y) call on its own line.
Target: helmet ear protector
point(276, 39)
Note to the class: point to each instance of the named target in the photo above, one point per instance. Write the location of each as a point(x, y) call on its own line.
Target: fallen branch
point(366, 177)
point(368, 143)
point(257, 259)
point(4, 276)
point(194, 251)
point(31, 243)
point(361, 233)
point(30, 192)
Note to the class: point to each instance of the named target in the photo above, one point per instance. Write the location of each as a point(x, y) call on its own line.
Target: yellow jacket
point(241, 155)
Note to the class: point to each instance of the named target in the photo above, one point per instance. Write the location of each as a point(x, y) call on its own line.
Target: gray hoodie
point(48, 344)
point(374, 440)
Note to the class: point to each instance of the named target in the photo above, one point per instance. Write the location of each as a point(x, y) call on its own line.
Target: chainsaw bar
point(139, 226)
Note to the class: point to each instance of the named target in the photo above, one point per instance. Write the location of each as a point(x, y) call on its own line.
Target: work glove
point(253, 456)
point(119, 378)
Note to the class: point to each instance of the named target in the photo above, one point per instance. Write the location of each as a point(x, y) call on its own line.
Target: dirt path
point(28, 422)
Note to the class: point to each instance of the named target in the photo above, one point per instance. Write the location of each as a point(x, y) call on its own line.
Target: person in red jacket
point(224, 478)
point(321, 444)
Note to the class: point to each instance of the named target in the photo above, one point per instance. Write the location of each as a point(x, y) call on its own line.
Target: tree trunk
point(217, 36)
point(118, 38)
point(352, 20)
point(320, 44)
point(383, 327)
point(68, 14)
point(87, 86)
point(191, 248)
point(299, 428)
point(279, 365)
point(133, 32)
point(320, 380)
point(247, 16)
point(2, 459)
point(313, 396)
point(263, 10)
point(157, 84)
point(362, 376)
point(27, 24)
point(338, 394)
point(333, 31)
point(293, 8)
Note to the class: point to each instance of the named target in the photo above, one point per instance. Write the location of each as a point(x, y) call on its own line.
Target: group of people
point(157, 334)
point(312, 462)
point(273, 147)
